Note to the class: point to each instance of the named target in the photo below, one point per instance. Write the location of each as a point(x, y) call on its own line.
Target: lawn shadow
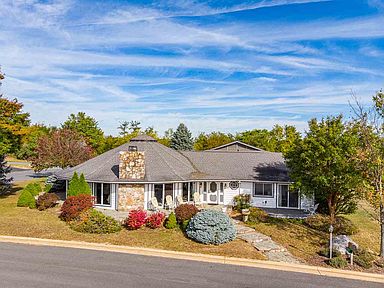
point(14, 189)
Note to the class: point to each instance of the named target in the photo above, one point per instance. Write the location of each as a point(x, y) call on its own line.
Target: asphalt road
point(40, 266)
point(28, 174)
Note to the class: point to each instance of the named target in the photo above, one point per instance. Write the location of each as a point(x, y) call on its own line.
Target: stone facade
point(132, 165)
point(130, 196)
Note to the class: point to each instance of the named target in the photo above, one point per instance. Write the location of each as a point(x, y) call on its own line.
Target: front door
point(287, 198)
point(212, 193)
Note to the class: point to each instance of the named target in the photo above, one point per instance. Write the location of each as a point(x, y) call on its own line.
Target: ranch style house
point(132, 175)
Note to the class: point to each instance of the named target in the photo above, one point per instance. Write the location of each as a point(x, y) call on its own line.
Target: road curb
point(298, 268)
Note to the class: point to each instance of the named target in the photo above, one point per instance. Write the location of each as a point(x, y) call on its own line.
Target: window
point(185, 192)
point(102, 193)
point(159, 193)
point(263, 189)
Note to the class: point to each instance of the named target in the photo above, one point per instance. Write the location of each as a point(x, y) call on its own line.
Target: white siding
point(267, 202)
point(229, 194)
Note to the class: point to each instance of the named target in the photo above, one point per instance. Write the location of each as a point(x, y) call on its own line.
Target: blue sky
point(214, 65)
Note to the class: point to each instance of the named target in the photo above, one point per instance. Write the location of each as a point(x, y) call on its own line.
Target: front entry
point(212, 193)
point(287, 198)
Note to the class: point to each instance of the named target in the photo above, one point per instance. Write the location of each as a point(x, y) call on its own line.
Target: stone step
point(266, 246)
point(244, 230)
point(254, 237)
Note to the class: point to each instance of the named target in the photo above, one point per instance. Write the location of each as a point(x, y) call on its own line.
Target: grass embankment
point(18, 221)
point(17, 163)
point(305, 242)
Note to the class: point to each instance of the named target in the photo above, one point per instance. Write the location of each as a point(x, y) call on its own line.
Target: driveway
point(42, 267)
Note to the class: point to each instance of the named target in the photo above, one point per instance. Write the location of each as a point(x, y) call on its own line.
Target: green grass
point(20, 221)
point(368, 236)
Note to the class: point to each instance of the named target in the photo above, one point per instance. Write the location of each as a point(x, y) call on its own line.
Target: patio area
point(287, 213)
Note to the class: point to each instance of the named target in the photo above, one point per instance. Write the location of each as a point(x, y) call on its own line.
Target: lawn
point(18, 221)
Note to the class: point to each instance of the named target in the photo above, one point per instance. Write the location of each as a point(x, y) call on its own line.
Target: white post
point(330, 241)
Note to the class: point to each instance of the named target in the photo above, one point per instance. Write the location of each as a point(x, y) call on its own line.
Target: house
point(129, 176)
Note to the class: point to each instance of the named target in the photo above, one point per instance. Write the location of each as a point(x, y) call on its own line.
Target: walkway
point(264, 244)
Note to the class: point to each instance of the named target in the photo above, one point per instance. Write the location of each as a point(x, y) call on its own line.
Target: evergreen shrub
point(93, 221)
point(211, 227)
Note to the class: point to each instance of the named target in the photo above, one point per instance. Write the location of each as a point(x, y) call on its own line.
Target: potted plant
point(242, 204)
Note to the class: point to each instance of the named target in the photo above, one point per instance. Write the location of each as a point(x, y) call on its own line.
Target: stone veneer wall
point(132, 165)
point(130, 196)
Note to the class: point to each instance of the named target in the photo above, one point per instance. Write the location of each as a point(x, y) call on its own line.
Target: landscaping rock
point(341, 242)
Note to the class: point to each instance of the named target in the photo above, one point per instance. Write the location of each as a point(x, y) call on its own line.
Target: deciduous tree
point(214, 139)
point(321, 163)
point(87, 127)
point(61, 148)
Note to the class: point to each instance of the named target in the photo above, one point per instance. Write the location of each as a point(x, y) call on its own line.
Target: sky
point(214, 65)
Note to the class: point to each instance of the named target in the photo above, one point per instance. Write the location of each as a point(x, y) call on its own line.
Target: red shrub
point(185, 212)
point(74, 205)
point(155, 220)
point(136, 219)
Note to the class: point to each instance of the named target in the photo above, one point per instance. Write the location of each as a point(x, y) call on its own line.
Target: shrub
point(34, 188)
point(26, 199)
point(93, 221)
point(325, 252)
point(242, 201)
point(184, 225)
point(257, 215)
point(211, 227)
point(74, 205)
point(47, 200)
point(185, 212)
point(380, 262)
point(342, 226)
point(155, 220)
point(363, 258)
point(78, 186)
point(338, 262)
point(47, 188)
point(171, 222)
point(136, 219)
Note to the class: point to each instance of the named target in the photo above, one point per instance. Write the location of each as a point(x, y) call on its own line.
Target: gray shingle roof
point(165, 164)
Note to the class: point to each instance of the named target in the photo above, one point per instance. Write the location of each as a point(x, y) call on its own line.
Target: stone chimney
point(132, 164)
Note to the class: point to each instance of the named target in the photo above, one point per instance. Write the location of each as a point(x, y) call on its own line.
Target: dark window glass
point(106, 194)
point(159, 193)
point(191, 191)
point(185, 192)
point(213, 187)
point(268, 190)
point(259, 189)
point(293, 198)
point(98, 193)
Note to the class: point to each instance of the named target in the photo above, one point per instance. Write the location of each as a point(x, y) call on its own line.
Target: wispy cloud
point(221, 65)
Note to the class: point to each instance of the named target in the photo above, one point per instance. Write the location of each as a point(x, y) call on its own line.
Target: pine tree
point(182, 138)
point(83, 186)
point(5, 183)
point(73, 189)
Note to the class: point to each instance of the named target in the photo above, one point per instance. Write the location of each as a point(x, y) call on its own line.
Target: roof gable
point(236, 146)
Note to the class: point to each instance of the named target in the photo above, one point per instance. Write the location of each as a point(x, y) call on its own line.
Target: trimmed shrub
point(325, 252)
point(171, 222)
point(74, 205)
point(242, 201)
point(257, 215)
point(34, 188)
point(363, 258)
point(73, 186)
point(47, 188)
point(93, 221)
point(185, 212)
point(26, 199)
point(136, 219)
point(211, 227)
point(342, 226)
point(84, 188)
point(155, 220)
point(47, 200)
point(338, 262)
